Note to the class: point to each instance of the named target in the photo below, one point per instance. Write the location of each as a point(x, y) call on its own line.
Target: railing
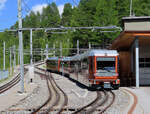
point(4, 74)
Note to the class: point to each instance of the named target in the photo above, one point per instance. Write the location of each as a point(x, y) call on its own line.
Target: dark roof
point(136, 18)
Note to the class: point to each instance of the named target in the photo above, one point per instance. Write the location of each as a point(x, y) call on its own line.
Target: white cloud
point(61, 8)
point(2, 4)
point(38, 8)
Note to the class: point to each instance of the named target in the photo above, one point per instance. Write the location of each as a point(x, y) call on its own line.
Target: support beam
point(137, 61)
point(31, 56)
point(54, 49)
point(10, 62)
point(60, 49)
point(14, 52)
point(18, 57)
point(130, 7)
point(41, 54)
point(21, 46)
point(4, 56)
point(89, 45)
point(78, 47)
point(46, 51)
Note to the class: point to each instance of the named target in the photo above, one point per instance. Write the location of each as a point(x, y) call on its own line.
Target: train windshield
point(105, 64)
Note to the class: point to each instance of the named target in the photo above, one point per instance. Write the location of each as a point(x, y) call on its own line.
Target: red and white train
point(94, 68)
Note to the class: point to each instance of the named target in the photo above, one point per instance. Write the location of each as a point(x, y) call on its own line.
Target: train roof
point(53, 58)
point(103, 53)
point(98, 52)
point(95, 53)
point(66, 58)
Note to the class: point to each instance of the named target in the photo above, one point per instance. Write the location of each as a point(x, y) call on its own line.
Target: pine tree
point(67, 15)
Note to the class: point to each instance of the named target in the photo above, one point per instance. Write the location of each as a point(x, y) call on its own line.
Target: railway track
point(102, 102)
point(11, 83)
point(57, 99)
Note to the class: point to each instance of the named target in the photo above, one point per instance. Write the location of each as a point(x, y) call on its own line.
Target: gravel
point(10, 77)
point(78, 96)
point(33, 100)
point(121, 101)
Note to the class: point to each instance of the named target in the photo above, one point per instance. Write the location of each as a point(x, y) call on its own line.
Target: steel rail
point(50, 78)
point(96, 103)
point(90, 104)
point(103, 100)
point(56, 93)
point(47, 101)
point(64, 94)
point(11, 83)
point(109, 105)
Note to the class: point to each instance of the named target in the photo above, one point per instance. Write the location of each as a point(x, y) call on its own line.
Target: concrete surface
point(143, 95)
point(12, 96)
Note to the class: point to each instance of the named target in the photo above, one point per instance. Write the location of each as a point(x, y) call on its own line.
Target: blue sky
point(8, 9)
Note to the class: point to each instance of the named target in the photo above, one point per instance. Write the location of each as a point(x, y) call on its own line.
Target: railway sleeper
point(53, 109)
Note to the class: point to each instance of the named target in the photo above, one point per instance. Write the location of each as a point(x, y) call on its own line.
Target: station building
point(133, 45)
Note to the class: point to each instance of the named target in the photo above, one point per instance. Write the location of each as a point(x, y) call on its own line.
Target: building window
point(144, 62)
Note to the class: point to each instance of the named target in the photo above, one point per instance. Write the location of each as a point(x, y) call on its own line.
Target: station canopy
point(133, 27)
point(126, 38)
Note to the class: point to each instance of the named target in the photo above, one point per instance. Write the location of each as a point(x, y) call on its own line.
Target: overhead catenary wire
point(27, 8)
point(68, 28)
point(75, 3)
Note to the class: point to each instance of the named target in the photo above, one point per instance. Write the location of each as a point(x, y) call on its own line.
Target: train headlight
point(117, 74)
point(117, 81)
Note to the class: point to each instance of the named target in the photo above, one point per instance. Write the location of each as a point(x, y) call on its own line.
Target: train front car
point(53, 64)
point(103, 69)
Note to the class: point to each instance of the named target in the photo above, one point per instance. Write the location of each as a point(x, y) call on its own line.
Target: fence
point(4, 74)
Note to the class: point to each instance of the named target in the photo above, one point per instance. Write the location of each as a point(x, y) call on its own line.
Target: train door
point(91, 67)
point(83, 72)
point(73, 70)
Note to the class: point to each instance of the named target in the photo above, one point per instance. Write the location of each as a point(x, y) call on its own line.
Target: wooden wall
point(127, 77)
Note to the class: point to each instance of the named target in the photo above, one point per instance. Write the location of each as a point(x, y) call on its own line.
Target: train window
point(148, 65)
point(147, 60)
point(91, 63)
point(85, 64)
point(144, 62)
point(52, 62)
point(106, 64)
point(141, 65)
point(141, 59)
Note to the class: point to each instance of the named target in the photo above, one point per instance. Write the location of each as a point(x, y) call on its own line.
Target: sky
point(8, 9)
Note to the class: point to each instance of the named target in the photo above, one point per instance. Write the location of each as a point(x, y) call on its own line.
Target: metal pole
point(60, 49)
point(77, 46)
point(21, 46)
point(10, 62)
point(68, 45)
point(41, 54)
point(14, 52)
point(130, 7)
point(18, 57)
point(89, 45)
point(4, 57)
point(46, 51)
point(54, 49)
point(62, 69)
point(137, 61)
point(30, 46)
